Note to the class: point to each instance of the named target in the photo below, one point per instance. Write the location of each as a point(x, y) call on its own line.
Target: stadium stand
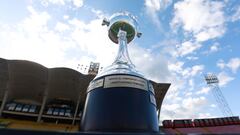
point(228, 125)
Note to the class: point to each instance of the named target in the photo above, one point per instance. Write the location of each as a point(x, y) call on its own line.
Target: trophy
point(120, 99)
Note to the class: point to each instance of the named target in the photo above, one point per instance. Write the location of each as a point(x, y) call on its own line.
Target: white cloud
point(196, 69)
point(192, 102)
point(57, 2)
point(32, 39)
point(224, 79)
point(204, 90)
point(220, 64)
point(191, 84)
point(233, 64)
point(153, 4)
point(153, 7)
point(36, 21)
point(236, 15)
point(61, 27)
point(205, 115)
point(192, 58)
point(187, 47)
point(98, 13)
point(65, 17)
point(76, 3)
point(176, 66)
point(193, 71)
point(189, 94)
point(214, 48)
point(213, 105)
point(203, 18)
point(154, 66)
point(188, 107)
point(93, 39)
point(210, 33)
point(179, 101)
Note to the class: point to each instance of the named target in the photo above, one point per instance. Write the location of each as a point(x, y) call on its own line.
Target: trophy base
point(119, 109)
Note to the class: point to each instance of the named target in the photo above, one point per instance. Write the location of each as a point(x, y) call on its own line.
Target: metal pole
point(76, 110)
point(4, 101)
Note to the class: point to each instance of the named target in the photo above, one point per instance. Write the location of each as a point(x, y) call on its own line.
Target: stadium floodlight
point(212, 82)
point(211, 79)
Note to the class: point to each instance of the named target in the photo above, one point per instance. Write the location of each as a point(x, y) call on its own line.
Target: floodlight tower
point(212, 82)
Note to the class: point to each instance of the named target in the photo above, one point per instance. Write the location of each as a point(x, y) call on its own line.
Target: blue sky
point(182, 40)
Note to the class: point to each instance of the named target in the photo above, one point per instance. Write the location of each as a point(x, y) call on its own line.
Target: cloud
point(176, 66)
point(221, 64)
point(212, 49)
point(185, 72)
point(233, 64)
point(179, 101)
point(192, 102)
point(187, 47)
point(213, 105)
point(188, 107)
point(76, 3)
point(99, 13)
point(57, 2)
point(192, 71)
point(192, 58)
point(153, 4)
point(153, 7)
point(93, 40)
point(61, 27)
point(210, 33)
point(224, 79)
point(33, 39)
point(205, 115)
point(236, 15)
point(204, 90)
point(203, 18)
point(154, 66)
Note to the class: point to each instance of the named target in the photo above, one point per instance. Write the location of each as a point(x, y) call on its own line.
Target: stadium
point(37, 98)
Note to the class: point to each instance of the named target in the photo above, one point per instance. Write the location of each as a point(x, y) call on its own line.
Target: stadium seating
point(60, 107)
point(167, 124)
point(227, 125)
point(21, 107)
point(182, 123)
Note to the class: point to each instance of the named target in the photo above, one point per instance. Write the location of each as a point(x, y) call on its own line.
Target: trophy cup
point(120, 99)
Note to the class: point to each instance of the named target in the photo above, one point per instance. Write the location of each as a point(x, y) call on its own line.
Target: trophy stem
point(122, 56)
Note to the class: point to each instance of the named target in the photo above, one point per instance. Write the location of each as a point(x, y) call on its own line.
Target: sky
point(182, 41)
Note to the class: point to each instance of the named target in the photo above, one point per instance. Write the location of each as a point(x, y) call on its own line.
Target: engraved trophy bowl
point(120, 99)
point(124, 21)
point(127, 24)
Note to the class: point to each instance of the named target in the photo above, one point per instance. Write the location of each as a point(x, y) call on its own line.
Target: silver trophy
point(120, 99)
point(122, 29)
